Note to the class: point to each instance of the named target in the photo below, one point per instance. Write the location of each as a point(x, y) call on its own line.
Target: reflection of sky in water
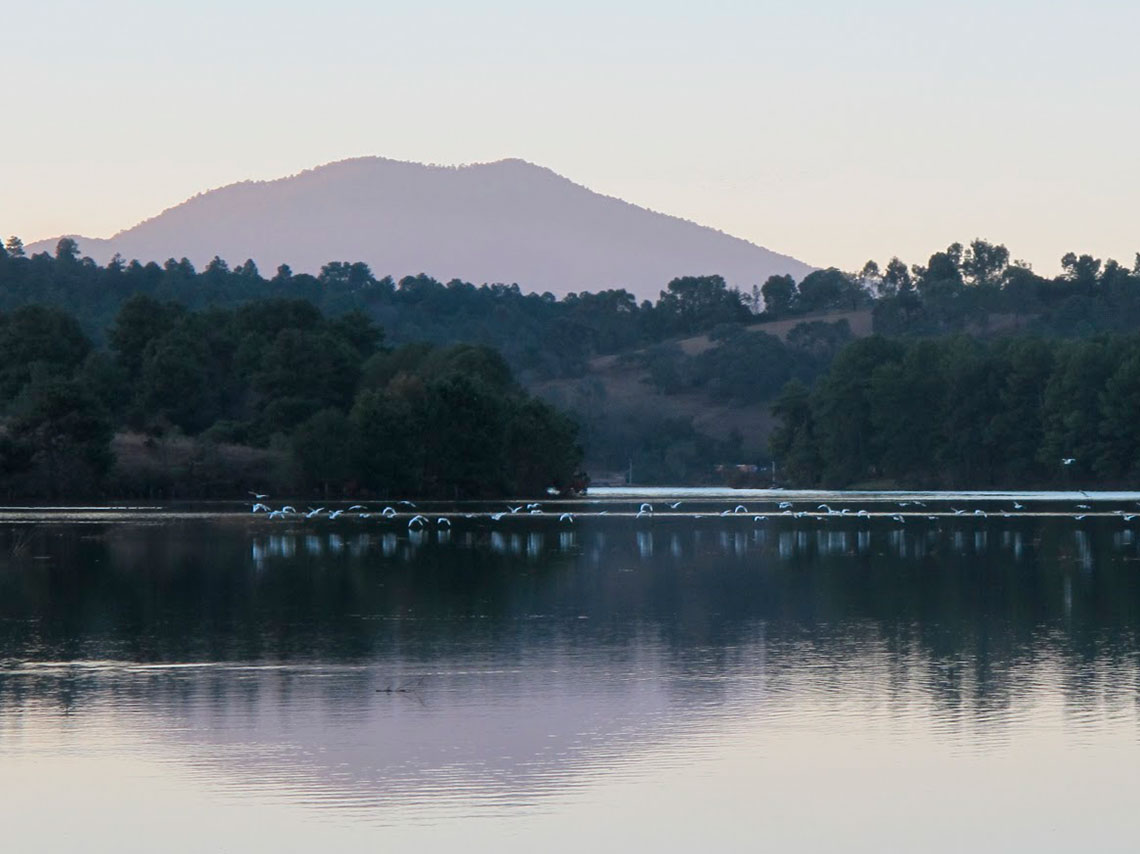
point(845, 681)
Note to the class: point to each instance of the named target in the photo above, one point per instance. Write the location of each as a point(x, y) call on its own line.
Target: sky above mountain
point(830, 131)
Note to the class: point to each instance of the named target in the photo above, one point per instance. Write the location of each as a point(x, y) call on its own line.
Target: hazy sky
point(831, 131)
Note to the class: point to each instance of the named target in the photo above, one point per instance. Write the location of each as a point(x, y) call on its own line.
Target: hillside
point(619, 389)
point(508, 221)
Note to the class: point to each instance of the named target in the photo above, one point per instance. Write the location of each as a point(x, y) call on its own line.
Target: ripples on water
point(535, 671)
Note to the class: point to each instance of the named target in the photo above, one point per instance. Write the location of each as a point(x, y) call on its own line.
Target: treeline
point(961, 412)
point(973, 288)
point(539, 335)
point(978, 289)
point(332, 409)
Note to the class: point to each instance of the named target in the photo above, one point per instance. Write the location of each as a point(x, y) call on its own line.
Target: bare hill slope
point(619, 389)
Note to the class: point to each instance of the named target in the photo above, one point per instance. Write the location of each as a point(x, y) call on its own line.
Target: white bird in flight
point(1068, 461)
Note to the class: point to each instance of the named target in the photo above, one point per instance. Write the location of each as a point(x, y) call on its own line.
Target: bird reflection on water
point(795, 537)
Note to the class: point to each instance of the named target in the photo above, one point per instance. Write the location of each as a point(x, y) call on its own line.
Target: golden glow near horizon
point(829, 132)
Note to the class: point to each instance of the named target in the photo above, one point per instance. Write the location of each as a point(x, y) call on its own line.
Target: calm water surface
point(205, 680)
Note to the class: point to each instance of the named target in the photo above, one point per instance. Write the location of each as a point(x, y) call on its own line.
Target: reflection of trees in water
point(968, 614)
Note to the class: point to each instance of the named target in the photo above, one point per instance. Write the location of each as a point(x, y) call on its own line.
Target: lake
point(854, 671)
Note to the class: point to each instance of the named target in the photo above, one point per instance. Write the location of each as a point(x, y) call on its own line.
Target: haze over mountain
point(507, 221)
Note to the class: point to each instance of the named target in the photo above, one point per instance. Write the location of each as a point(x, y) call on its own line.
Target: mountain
point(507, 221)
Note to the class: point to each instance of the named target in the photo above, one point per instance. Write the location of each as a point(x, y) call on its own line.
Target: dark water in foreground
point(226, 683)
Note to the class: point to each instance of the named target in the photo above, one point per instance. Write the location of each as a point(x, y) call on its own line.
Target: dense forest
point(963, 412)
point(969, 308)
point(318, 403)
point(982, 374)
point(537, 334)
point(975, 289)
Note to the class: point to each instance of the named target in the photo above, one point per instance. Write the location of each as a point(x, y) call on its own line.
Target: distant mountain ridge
point(506, 221)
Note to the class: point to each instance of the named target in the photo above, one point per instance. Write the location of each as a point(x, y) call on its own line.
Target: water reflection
point(489, 666)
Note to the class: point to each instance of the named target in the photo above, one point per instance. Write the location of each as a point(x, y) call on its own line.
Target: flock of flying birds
point(417, 520)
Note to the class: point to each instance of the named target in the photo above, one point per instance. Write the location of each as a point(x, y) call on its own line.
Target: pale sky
point(834, 132)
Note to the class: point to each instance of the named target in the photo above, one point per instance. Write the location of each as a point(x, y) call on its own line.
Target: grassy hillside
point(626, 415)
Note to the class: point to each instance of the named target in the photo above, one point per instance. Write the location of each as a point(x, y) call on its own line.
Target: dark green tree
point(821, 290)
point(554, 461)
point(141, 320)
point(388, 428)
point(66, 437)
point(464, 437)
point(323, 451)
point(841, 409)
point(793, 444)
point(905, 412)
point(41, 341)
point(694, 303)
point(896, 278)
point(779, 293)
point(983, 263)
point(1118, 460)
